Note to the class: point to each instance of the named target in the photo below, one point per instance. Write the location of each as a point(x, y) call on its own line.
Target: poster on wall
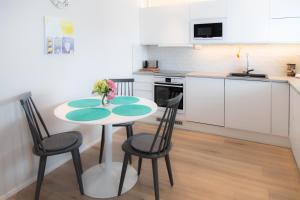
point(59, 36)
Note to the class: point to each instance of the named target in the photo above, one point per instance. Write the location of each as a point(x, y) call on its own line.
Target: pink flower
point(112, 86)
point(111, 95)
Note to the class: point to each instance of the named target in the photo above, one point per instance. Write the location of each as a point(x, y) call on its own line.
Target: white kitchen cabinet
point(248, 21)
point(143, 86)
point(285, 30)
point(284, 9)
point(280, 109)
point(295, 124)
point(248, 105)
point(209, 9)
point(167, 25)
point(205, 100)
point(285, 21)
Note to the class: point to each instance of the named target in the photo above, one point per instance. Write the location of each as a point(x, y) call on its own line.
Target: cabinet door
point(285, 30)
point(248, 21)
point(248, 105)
point(149, 25)
point(209, 9)
point(294, 124)
point(205, 100)
point(280, 109)
point(143, 86)
point(284, 8)
point(167, 25)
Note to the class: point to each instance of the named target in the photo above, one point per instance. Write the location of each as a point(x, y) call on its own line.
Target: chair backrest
point(165, 128)
point(124, 86)
point(34, 120)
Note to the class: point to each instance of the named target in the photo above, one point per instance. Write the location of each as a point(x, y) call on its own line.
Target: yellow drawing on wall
point(59, 36)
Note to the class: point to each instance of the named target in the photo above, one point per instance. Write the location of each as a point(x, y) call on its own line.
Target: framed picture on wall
point(59, 36)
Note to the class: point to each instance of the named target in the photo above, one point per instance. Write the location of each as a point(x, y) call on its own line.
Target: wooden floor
point(204, 166)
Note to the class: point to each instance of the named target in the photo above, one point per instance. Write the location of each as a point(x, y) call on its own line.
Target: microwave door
point(211, 30)
point(204, 32)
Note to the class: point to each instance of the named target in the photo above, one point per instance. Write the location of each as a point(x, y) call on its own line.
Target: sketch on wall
point(59, 36)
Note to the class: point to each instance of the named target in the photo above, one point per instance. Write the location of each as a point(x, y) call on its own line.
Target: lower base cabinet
point(294, 123)
point(143, 86)
point(280, 109)
point(248, 105)
point(205, 100)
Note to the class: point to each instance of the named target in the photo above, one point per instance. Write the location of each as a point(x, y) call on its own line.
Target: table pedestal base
point(99, 182)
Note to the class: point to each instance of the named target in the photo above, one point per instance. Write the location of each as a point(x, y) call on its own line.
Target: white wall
point(154, 3)
point(270, 59)
point(106, 31)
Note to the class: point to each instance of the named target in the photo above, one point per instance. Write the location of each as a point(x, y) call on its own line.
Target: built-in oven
point(208, 29)
point(166, 88)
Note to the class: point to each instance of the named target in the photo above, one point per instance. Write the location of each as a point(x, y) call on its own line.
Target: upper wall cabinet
point(285, 21)
point(284, 9)
point(168, 25)
point(248, 21)
point(209, 9)
point(285, 30)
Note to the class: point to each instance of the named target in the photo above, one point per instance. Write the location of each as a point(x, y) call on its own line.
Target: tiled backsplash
point(270, 59)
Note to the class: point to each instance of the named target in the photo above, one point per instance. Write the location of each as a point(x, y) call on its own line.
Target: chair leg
point(102, 145)
point(140, 165)
point(75, 155)
point(129, 134)
point(123, 173)
point(131, 130)
point(41, 173)
point(168, 163)
point(80, 163)
point(155, 178)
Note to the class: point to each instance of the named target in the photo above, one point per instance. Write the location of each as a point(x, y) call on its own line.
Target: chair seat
point(61, 141)
point(142, 142)
point(124, 124)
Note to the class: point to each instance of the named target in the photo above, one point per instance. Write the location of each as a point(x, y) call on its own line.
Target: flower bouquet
point(106, 88)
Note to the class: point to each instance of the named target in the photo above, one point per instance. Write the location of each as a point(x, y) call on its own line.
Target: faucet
point(248, 70)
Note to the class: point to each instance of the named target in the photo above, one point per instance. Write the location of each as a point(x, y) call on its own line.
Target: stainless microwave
point(208, 29)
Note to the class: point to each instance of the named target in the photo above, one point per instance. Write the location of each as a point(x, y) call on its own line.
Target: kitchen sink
point(247, 75)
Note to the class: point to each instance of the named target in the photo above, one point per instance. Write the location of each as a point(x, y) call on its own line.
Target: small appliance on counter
point(291, 70)
point(150, 66)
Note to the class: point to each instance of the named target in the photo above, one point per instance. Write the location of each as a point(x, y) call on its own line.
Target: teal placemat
point(132, 110)
point(124, 100)
point(88, 114)
point(84, 103)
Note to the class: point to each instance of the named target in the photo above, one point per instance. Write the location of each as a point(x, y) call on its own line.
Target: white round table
point(102, 181)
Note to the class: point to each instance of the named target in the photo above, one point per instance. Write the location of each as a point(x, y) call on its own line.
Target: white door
point(205, 100)
point(248, 21)
point(166, 25)
point(285, 30)
point(280, 109)
point(295, 124)
point(209, 9)
point(284, 8)
point(248, 105)
point(285, 21)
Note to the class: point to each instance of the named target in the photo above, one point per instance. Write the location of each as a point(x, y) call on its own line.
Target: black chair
point(125, 88)
point(150, 146)
point(50, 144)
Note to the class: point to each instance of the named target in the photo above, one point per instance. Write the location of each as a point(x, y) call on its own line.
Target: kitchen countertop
point(163, 73)
point(294, 82)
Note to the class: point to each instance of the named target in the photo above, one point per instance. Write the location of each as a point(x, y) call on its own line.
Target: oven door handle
point(165, 85)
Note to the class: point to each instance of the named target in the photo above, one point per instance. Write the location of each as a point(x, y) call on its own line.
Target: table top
point(90, 110)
